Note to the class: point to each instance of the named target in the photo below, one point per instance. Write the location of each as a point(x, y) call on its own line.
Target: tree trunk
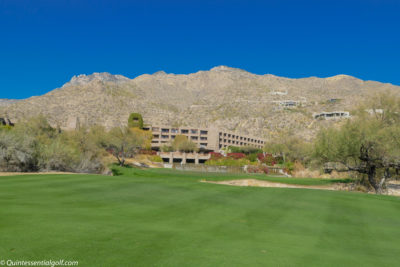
point(386, 175)
point(371, 178)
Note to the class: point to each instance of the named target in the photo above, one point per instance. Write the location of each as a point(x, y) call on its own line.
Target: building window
point(184, 131)
point(193, 131)
point(164, 136)
point(174, 130)
point(203, 138)
point(203, 144)
point(155, 129)
point(205, 132)
point(156, 136)
point(194, 138)
point(165, 130)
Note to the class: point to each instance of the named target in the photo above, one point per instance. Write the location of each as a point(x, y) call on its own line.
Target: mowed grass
point(168, 218)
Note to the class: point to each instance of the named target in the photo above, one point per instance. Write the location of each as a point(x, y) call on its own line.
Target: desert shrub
point(5, 127)
point(236, 155)
point(267, 159)
point(183, 144)
point(245, 149)
point(288, 167)
point(265, 169)
point(33, 145)
point(235, 149)
point(167, 148)
point(226, 161)
point(252, 157)
point(155, 158)
point(147, 152)
point(215, 155)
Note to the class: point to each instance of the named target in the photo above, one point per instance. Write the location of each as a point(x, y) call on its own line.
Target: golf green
point(168, 218)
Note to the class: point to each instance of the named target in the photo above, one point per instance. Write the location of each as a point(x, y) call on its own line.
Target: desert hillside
point(229, 98)
point(6, 102)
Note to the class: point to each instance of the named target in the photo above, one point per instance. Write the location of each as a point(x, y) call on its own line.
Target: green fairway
point(168, 218)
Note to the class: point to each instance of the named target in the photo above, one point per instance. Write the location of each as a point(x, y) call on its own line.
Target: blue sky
point(43, 43)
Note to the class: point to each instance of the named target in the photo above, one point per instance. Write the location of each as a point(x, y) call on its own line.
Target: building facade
point(211, 139)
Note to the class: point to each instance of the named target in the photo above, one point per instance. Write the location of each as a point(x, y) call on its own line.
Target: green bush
point(155, 158)
point(252, 157)
point(245, 149)
point(228, 162)
point(33, 145)
point(167, 148)
point(135, 121)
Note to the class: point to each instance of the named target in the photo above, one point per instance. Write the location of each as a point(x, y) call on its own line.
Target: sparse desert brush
point(155, 158)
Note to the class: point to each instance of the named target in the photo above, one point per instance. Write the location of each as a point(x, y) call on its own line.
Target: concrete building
point(291, 103)
point(210, 139)
point(332, 115)
point(183, 158)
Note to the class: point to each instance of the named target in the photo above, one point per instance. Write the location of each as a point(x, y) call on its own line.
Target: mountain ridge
point(228, 98)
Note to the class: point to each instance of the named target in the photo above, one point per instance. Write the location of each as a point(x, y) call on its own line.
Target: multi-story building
point(211, 139)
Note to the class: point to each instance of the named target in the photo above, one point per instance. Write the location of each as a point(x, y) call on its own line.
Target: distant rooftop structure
point(331, 115)
point(290, 103)
point(374, 111)
point(278, 92)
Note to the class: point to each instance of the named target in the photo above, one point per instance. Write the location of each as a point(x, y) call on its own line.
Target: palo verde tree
point(124, 142)
point(368, 144)
point(286, 145)
point(183, 144)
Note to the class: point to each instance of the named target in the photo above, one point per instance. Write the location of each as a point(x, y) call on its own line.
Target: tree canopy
point(369, 143)
point(125, 142)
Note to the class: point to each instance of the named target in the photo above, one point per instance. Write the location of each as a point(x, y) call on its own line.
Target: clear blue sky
point(43, 43)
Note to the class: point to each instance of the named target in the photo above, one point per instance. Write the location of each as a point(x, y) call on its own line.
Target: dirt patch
point(32, 173)
point(393, 188)
point(260, 183)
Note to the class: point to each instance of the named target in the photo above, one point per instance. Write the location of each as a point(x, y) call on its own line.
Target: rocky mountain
point(224, 97)
point(6, 102)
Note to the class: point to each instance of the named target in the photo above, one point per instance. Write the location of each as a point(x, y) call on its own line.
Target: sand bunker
point(393, 187)
point(260, 183)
